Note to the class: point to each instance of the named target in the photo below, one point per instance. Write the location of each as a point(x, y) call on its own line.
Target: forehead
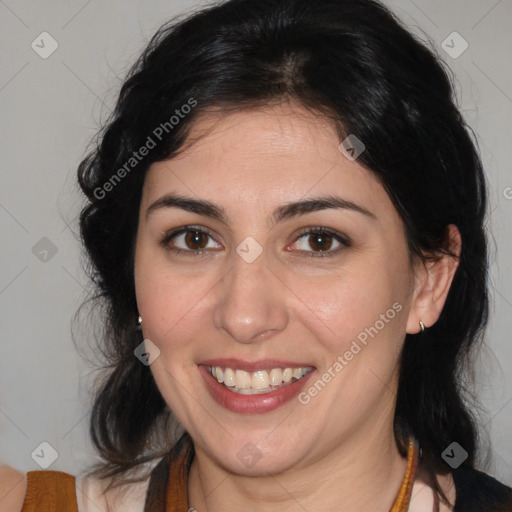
point(264, 156)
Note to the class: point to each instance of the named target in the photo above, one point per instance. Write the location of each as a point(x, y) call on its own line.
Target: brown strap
point(167, 488)
point(50, 491)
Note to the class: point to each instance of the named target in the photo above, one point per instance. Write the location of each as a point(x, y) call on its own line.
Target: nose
point(251, 303)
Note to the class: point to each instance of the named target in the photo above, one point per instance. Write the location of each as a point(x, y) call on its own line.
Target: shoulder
point(26, 493)
point(92, 495)
point(19, 492)
point(422, 496)
point(467, 489)
point(480, 492)
point(13, 487)
point(49, 490)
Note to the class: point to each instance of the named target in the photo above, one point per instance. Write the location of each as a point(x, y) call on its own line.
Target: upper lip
point(252, 366)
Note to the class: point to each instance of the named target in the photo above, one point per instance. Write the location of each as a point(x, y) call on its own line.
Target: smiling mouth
point(258, 382)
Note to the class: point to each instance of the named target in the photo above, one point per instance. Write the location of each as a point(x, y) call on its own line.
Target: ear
point(432, 284)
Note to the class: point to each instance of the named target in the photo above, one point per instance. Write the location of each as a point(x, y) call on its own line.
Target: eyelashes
point(323, 239)
point(198, 241)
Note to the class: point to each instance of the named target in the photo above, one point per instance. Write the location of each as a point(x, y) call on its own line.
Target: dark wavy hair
point(353, 62)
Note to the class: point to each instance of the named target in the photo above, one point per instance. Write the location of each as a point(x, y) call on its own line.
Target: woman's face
point(288, 258)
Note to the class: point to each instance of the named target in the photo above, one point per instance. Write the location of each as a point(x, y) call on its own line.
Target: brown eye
point(320, 241)
point(196, 239)
point(189, 240)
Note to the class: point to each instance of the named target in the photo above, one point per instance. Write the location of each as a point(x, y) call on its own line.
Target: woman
point(286, 224)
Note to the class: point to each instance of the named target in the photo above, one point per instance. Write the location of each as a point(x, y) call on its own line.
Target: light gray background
point(50, 108)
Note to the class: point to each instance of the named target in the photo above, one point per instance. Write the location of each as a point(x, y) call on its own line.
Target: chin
point(243, 457)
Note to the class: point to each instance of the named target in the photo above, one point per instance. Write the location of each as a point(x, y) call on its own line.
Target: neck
point(360, 474)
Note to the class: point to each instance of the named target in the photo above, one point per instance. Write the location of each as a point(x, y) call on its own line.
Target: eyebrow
point(285, 212)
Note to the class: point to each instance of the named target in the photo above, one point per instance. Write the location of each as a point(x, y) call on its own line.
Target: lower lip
point(252, 404)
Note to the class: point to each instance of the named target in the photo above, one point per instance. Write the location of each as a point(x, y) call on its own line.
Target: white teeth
point(242, 379)
point(229, 377)
point(260, 381)
point(276, 376)
point(296, 372)
point(287, 375)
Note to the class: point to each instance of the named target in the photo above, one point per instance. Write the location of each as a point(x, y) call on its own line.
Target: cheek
point(360, 303)
point(170, 304)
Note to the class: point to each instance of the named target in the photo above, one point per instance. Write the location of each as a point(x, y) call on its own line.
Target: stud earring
point(422, 325)
point(139, 322)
